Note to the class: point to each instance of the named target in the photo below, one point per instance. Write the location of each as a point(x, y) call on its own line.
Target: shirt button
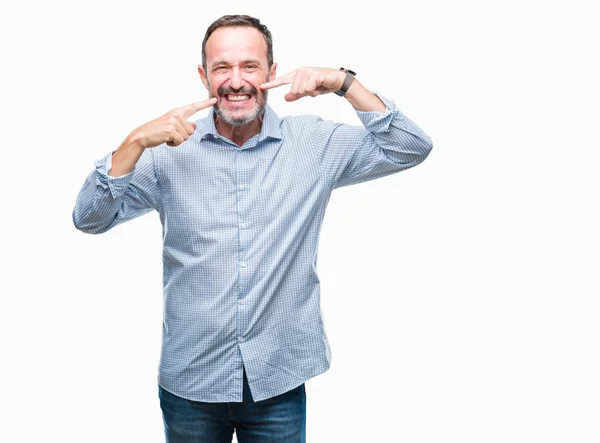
point(240, 339)
point(242, 225)
point(242, 186)
point(243, 264)
point(241, 302)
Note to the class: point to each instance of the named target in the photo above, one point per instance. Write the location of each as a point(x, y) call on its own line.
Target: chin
point(243, 119)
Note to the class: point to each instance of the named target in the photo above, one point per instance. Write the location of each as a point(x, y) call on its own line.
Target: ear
point(203, 76)
point(273, 72)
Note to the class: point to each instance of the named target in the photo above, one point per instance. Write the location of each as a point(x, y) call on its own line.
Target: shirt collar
point(270, 125)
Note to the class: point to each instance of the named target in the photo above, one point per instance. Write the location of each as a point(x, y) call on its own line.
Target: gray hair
point(239, 20)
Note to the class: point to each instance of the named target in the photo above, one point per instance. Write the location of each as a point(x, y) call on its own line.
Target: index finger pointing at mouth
point(191, 109)
point(285, 80)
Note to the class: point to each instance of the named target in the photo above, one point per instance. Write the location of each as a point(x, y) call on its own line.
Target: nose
point(236, 81)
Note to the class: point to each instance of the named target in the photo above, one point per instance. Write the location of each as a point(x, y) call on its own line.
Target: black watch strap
point(347, 82)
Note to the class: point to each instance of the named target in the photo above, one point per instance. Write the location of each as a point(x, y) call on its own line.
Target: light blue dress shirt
point(240, 229)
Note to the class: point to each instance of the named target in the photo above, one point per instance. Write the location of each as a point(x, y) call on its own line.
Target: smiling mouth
point(237, 98)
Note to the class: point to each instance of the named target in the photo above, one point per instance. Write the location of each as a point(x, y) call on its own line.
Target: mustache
point(227, 90)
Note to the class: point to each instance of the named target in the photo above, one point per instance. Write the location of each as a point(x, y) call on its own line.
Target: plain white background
point(460, 297)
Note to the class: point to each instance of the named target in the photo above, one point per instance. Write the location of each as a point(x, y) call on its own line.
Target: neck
point(239, 134)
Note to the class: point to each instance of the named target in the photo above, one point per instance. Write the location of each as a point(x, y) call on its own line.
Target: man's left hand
point(308, 81)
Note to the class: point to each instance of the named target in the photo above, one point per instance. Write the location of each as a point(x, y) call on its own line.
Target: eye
point(220, 69)
point(251, 67)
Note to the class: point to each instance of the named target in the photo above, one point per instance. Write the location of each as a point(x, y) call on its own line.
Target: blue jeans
point(280, 419)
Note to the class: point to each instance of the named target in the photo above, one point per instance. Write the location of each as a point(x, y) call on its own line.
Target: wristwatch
point(347, 82)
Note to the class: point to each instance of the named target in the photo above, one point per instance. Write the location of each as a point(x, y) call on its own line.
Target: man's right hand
point(171, 128)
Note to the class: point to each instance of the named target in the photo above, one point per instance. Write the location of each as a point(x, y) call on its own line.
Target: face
point(236, 64)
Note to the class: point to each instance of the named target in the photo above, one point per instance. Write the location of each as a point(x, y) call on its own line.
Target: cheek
point(216, 82)
point(255, 81)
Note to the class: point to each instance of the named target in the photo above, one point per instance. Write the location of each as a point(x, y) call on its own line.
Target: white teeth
point(237, 98)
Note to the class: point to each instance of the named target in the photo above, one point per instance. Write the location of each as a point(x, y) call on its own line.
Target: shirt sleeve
point(388, 142)
point(105, 201)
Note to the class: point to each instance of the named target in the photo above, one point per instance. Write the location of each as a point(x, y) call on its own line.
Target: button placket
point(243, 187)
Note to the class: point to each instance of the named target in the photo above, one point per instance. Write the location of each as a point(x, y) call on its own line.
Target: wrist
point(362, 99)
point(133, 142)
point(348, 76)
point(341, 77)
point(125, 158)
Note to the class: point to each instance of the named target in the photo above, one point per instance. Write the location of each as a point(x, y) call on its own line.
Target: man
point(241, 196)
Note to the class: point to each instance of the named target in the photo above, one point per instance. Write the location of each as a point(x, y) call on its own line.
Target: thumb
point(291, 97)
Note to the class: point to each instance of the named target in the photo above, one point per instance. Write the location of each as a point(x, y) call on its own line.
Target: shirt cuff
point(375, 121)
point(116, 185)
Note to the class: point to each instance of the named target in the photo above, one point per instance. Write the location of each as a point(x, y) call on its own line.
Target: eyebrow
point(223, 62)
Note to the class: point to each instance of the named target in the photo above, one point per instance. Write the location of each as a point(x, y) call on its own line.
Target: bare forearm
point(125, 158)
point(362, 99)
